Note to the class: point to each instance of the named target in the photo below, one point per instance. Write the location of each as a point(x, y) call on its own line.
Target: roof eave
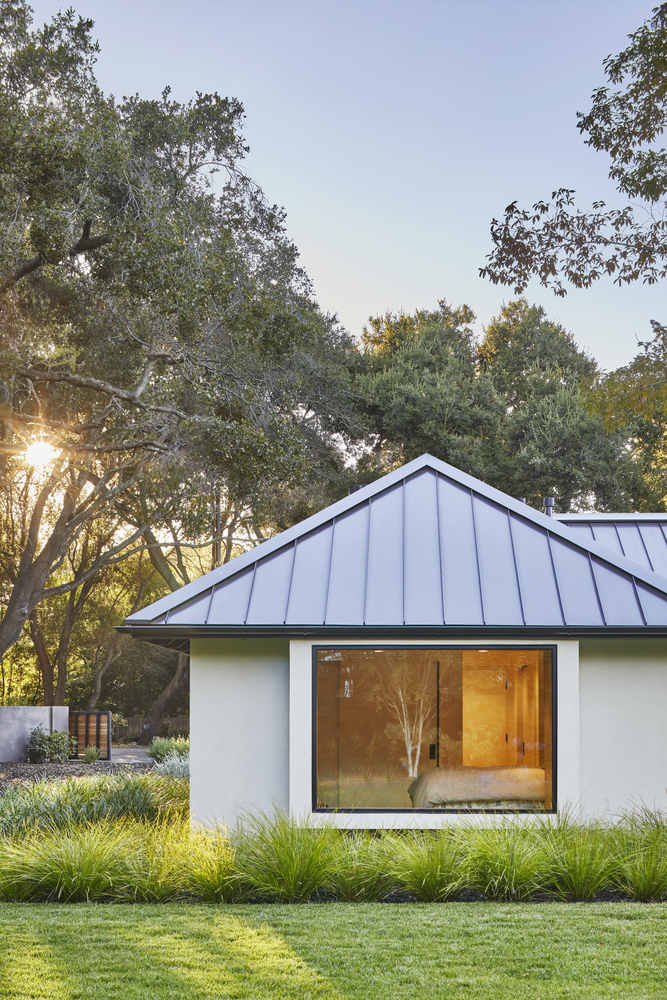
point(168, 634)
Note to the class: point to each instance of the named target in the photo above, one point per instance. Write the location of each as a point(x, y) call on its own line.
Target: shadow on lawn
point(190, 956)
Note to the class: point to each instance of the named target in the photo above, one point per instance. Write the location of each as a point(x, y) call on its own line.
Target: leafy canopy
point(155, 328)
point(557, 242)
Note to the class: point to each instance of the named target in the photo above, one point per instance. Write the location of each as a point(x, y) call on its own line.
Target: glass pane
point(434, 729)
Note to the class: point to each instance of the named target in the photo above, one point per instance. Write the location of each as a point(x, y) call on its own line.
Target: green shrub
point(163, 746)
point(285, 859)
point(360, 872)
point(90, 755)
point(46, 747)
point(427, 864)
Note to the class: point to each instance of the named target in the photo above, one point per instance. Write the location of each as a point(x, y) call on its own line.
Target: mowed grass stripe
point(137, 952)
point(337, 951)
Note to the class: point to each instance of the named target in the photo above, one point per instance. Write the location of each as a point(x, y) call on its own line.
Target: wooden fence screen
point(92, 729)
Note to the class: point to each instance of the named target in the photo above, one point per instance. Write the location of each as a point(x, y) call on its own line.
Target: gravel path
point(17, 774)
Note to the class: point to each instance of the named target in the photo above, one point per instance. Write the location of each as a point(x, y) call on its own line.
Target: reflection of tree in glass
point(408, 693)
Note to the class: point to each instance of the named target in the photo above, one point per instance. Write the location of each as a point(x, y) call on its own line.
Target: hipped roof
point(425, 549)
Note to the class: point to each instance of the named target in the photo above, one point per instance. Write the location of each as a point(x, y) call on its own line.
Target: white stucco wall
point(623, 723)
point(251, 729)
point(239, 713)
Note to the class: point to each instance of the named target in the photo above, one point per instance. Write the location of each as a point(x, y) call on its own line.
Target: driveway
point(130, 755)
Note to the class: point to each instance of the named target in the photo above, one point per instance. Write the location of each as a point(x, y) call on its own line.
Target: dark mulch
point(13, 774)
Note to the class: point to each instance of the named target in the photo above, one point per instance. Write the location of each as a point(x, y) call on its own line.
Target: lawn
point(355, 951)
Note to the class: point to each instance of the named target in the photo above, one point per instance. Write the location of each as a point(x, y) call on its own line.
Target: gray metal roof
point(640, 537)
point(425, 547)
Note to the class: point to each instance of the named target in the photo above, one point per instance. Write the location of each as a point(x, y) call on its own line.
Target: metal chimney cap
point(548, 506)
point(521, 499)
point(356, 488)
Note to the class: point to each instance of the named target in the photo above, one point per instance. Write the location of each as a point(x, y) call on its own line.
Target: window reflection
point(439, 729)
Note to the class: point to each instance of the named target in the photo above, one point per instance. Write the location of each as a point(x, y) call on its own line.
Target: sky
point(393, 131)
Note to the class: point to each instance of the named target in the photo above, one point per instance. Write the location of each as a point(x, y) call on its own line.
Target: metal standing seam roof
point(424, 547)
point(640, 537)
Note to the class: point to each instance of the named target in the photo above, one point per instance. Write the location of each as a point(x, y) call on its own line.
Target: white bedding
point(478, 787)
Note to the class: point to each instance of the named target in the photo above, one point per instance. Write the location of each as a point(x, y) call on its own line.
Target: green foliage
point(88, 800)
point(361, 868)
point(130, 840)
point(582, 864)
point(513, 410)
point(285, 859)
point(155, 330)
point(427, 865)
point(553, 240)
point(70, 866)
point(423, 393)
point(90, 755)
point(213, 873)
point(163, 746)
point(507, 863)
point(55, 747)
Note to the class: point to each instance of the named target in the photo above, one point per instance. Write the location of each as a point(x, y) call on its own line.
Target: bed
point(479, 788)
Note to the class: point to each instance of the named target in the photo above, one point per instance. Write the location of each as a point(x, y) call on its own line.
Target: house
point(425, 648)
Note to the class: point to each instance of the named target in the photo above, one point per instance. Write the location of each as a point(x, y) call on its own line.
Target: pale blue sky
point(392, 132)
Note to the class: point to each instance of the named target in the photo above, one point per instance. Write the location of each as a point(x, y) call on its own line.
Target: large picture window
point(444, 729)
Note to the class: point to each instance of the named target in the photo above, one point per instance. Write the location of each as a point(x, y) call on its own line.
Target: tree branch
point(84, 243)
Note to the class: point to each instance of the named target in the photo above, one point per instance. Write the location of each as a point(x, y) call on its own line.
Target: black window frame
point(437, 646)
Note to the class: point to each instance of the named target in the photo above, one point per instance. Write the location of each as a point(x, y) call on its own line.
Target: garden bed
point(12, 773)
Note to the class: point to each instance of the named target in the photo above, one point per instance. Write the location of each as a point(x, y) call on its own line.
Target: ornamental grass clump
point(285, 860)
point(507, 863)
point(640, 842)
point(581, 859)
point(427, 864)
point(156, 860)
point(361, 868)
point(212, 871)
point(77, 801)
point(73, 865)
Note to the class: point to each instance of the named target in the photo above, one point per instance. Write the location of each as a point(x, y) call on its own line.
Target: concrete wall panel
point(16, 721)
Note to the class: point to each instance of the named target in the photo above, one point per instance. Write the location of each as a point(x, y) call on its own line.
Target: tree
point(553, 445)
point(634, 398)
point(154, 326)
point(422, 392)
point(557, 243)
point(511, 410)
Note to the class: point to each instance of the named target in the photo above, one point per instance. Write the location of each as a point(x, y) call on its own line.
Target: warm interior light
point(40, 453)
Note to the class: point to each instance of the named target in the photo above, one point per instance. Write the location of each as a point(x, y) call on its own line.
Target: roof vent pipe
point(522, 499)
point(549, 506)
point(356, 488)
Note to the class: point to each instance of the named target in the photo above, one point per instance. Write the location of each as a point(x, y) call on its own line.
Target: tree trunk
point(172, 690)
point(43, 658)
point(110, 658)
